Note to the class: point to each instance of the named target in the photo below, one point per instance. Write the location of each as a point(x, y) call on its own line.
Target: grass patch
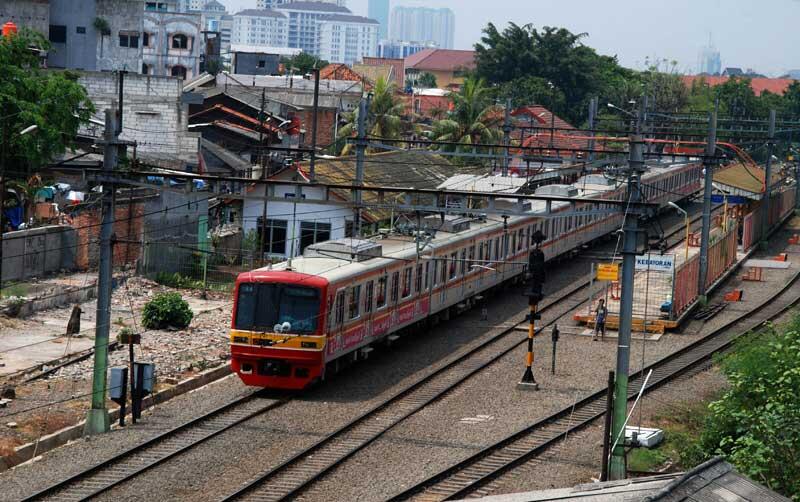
point(647, 459)
point(15, 290)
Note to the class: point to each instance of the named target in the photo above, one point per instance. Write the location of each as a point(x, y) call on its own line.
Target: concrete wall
point(171, 223)
point(122, 16)
point(38, 251)
point(154, 116)
point(34, 14)
point(79, 51)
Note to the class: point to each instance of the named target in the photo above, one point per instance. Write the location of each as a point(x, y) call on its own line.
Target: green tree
point(427, 80)
point(473, 119)
point(523, 59)
point(303, 63)
point(52, 101)
point(756, 423)
point(383, 119)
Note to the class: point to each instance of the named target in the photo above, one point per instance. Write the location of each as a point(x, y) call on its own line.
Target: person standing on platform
point(600, 320)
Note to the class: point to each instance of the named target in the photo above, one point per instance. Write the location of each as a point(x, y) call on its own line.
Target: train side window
point(340, 307)
point(427, 273)
point(436, 271)
point(443, 270)
point(480, 253)
point(471, 257)
point(355, 301)
point(521, 240)
point(418, 280)
point(453, 262)
point(497, 249)
point(369, 291)
point(463, 262)
point(395, 287)
point(513, 247)
point(407, 282)
point(487, 253)
point(381, 292)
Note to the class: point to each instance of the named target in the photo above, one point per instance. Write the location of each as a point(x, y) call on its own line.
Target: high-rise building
point(346, 38)
point(423, 24)
point(260, 28)
point(401, 49)
point(379, 11)
point(708, 60)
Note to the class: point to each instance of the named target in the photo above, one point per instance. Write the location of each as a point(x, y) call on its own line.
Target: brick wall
point(128, 224)
point(326, 126)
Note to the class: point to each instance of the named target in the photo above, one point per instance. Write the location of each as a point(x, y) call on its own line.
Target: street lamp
point(686, 221)
point(28, 129)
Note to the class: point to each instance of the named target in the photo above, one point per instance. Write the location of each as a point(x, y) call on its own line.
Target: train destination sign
point(656, 262)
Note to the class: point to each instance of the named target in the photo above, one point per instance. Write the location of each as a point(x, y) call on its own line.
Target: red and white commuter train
point(291, 323)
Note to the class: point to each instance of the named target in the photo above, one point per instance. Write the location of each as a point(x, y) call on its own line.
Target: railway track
point(475, 475)
point(300, 471)
point(287, 480)
point(134, 461)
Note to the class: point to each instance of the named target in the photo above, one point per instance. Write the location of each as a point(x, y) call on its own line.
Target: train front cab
point(265, 357)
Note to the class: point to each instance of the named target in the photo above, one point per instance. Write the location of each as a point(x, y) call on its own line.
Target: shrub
point(167, 310)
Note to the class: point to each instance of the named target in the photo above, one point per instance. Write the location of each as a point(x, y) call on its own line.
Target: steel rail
point(287, 480)
point(142, 457)
point(471, 474)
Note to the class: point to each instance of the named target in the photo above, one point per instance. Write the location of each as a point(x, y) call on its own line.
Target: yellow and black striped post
point(528, 381)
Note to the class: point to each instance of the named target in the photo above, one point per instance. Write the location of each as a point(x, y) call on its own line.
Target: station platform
point(655, 292)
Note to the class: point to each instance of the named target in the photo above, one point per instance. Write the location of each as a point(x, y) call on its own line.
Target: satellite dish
point(276, 328)
point(286, 327)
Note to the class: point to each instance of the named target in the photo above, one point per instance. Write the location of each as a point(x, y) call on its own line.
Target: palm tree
point(472, 120)
point(383, 118)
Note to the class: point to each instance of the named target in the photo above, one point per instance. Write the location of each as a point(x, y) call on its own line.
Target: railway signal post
point(631, 230)
point(534, 293)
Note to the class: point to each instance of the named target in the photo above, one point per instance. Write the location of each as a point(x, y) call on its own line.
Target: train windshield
point(261, 306)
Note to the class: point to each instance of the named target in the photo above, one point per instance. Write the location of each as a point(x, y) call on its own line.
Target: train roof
point(343, 258)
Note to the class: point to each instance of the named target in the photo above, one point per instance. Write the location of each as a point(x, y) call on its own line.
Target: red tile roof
point(339, 71)
point(758, 84)
point(543, 140)
point(441, 60)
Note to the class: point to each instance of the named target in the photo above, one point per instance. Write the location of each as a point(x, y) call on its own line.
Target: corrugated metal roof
point(748, 180)
point(712, 481)
point(407, 168)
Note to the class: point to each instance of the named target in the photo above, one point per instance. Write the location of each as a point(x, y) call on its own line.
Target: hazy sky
point(761, 35)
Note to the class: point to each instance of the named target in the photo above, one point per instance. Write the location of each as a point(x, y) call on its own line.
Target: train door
point(369, 295)
point(462, 268)
point(335, 336)
point(443, 279)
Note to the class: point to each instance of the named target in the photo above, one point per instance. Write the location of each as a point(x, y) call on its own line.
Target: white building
point(423, 24)
point(347, 39)
point(171, 44)
point(271, 4)
point(304, 19)
point(260, 28)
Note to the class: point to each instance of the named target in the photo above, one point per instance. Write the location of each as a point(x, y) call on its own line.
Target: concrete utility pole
point(313, 162)
point(361, 147)
point(262, 240)
point(768, 182)
point(506, 137)
point(97, 421)
point(708, 166)
point(617, 466)
point(592, 118)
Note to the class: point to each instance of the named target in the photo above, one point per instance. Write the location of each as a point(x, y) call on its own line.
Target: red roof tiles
point(758, 84)
point(441, 60)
